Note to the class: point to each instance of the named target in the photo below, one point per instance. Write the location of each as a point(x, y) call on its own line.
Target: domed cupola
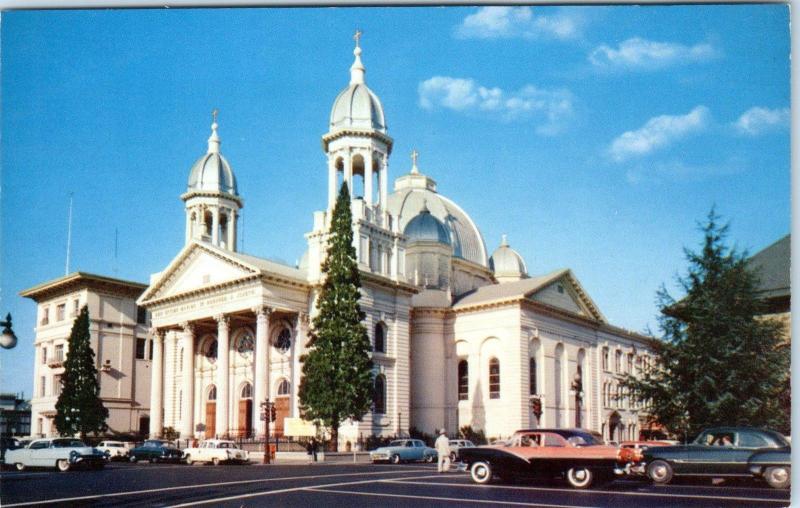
point(507, 264)
point(357, 107)
point(212, 199)
point(426, 228)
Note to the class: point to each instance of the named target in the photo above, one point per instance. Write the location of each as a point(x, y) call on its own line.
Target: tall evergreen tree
point(337, 381)
point(79, 408)
point(719, 363)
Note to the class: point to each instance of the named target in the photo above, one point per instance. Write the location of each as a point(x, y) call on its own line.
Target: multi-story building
point(118, 329)
point(15, 415)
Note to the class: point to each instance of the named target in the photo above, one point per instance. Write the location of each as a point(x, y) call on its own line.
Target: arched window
point(533, 387)
point(247, 391)
point(210, 350)
point(463, 380)
point(283, 387)
point(494, 379)
point(380, 337)
point(244, 344)
point(283, 341)
point(605, 358)
point(212, 393)
point(380, 394)
point(630, 363)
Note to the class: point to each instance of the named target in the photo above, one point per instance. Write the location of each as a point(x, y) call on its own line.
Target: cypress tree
point(337, 381)
point(719, 362)
point(79, 409)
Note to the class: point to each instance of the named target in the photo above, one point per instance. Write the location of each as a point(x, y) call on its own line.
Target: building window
point(283, 388)
point(140, 347)
point(76, 308)
point(380, 394)
point(42, 386)
point(61, 311)
point(212, 393)
point(59, 353)
point(380, 337)
point(244, 346)
point(210, 351)
point(141, 315)
point(618, 361)
point(44, 355)
point(605, 358)
point(247, 391)
point(283, 341)
point(45, 316)
point(532, 374)
point(494, 379)
point(56, 386)
point(463, 380)
point(630, 363)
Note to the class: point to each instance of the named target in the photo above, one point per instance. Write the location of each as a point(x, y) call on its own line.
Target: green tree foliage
point(719, 363)
point(337, 381)
point(79, 409)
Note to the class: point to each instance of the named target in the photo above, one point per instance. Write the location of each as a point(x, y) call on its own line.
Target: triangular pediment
point(195, 268)
point(566, 293)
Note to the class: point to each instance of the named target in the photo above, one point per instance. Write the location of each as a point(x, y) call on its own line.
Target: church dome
point(212, 172)
point(357, 107)
point(506, 262)
point(426, 228)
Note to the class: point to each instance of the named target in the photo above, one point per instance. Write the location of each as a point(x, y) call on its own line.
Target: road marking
point(437, 498)
point(589, 491)
point(196, 486)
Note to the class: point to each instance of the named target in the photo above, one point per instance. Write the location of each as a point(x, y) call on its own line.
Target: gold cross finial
point(357, 36)
point(214, 114)
point(414, 156)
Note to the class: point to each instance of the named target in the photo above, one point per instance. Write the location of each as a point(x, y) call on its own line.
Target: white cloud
point(756, 120)
point(508, 22)
point(550, 108)
point(638, 53)
point(658, 132)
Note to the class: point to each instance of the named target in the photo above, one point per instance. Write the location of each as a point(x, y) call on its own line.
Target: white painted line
point(437, 498)
point(200, 485)
point(590, 491)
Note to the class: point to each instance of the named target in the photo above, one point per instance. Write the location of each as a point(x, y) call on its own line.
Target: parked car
point(639, 447)
point(215, 451)
point(716, 453)
point(772, 466)
point(116, 449)
point(61, 453)
point(576, 454)
point(456, 445)
point(156, 450)
point(404, 450)
point(7, 443)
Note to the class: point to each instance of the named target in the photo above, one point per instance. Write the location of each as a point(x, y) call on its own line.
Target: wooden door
point(245, 417)
point(211, 419)
point(281, 412)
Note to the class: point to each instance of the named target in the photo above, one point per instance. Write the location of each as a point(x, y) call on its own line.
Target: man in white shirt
point(442, 446)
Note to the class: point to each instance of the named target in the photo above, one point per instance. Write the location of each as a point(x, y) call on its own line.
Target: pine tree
point(719, 363)
point(79, 408)
point(337, 381)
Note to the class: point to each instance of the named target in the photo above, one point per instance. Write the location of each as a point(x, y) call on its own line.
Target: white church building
point(460, 338)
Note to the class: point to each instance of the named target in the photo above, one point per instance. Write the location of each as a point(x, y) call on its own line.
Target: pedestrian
point(310, 450)
point(314, 447)
point(442, 446)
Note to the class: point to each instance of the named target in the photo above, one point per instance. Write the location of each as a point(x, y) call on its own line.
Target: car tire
point(428, 458)
point(453, 456)
point(580, 477)
point(215, 461)
point(20, 466)
point(189, 460)
point(133, 459)
point(395, 459)
point(62, 465)
point(660, 472)
point(481, 473)
point(778, 477)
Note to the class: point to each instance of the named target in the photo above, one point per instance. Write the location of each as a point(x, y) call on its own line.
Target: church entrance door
point(211, 419)
point(245, 417)
point(281, 412)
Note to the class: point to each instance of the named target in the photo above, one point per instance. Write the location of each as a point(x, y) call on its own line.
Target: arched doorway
point(615, 427)
point(211, 412)
point(246, 411)
point(281, 405)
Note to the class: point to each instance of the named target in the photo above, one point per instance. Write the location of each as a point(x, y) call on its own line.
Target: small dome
point(506, 262)
point(212, 172)
point(357, 107)
point(426, 228)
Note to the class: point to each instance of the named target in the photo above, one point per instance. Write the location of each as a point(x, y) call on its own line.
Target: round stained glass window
point(245, 344)
point(211, 351)
point(283, 341)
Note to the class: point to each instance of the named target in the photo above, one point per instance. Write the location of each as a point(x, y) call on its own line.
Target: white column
point(187, 412)
point(260, 377)
point(156, 384)
point(348, 171)
point(383, 181)
point(332, 178)
point(222, 374)
point(232, 230)
point(215, 226)
point(189, 225)
point(368, 179)
point(298, 348)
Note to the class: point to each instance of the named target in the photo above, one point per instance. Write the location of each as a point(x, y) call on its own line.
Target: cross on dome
point(357, 36)
point(414, 156)
point(213, 140)
point(357, 70)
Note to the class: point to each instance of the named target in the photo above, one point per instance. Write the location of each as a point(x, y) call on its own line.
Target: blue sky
point(595, 137)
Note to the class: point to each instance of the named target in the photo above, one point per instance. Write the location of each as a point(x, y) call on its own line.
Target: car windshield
point(397, 443)
point(155, 444)
point(68, 443)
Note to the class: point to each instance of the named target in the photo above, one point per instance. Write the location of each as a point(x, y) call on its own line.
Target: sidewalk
point(302, 458)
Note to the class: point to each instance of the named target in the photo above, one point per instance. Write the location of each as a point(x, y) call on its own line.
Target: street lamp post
point(7, 340)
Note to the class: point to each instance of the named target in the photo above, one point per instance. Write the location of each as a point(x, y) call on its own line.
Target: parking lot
point(123, 484)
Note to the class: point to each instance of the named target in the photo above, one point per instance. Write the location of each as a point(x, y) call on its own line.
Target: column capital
point(222, 320)
point(303, 318)
point(155, 333)
point(262, 310)
point(187, 327)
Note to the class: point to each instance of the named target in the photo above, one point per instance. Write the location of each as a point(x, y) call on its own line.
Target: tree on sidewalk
point(719, 363)
point(79, 409)
point(337, 379)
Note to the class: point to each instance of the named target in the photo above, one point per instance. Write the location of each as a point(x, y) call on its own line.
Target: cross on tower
point(357, 36)
point(414, 156)
point(214, 114)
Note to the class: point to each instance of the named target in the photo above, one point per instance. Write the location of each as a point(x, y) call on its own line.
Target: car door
point(39, 451)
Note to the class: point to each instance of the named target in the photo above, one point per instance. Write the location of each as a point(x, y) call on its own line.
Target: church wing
point(565, 292)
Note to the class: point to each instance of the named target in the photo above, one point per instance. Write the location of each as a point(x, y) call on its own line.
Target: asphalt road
point(346, 485)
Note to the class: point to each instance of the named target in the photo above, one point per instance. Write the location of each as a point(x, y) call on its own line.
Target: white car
point(62, 453)
point(215, 451)
point(115, 449)
point(456, 445)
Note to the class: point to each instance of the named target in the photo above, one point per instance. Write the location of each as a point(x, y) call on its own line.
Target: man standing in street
point(442, 446)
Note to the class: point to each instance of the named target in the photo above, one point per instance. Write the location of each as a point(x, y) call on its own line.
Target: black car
point(155, 450)
point(720, 452)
